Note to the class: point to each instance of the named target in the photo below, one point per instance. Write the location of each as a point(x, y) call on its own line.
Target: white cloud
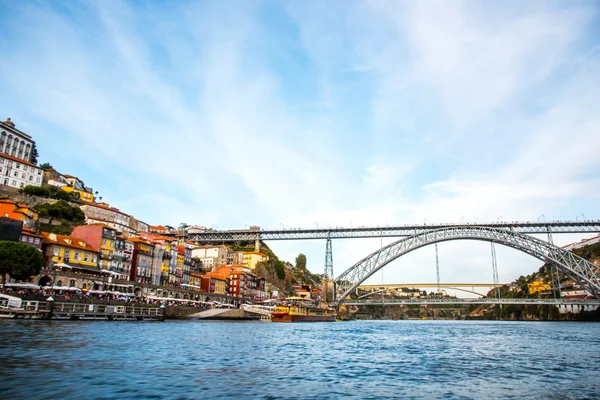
point(420, 112)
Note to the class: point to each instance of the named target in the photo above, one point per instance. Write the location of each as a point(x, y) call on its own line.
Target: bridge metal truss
point(389, 231)
point(582, 271)
point(491, 300)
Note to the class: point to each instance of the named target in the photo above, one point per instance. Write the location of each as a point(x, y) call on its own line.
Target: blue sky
point(313, 113)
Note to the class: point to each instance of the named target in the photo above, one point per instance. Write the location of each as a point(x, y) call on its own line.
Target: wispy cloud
point(317, 114)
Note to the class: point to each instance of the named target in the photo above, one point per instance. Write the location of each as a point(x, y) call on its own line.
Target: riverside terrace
point(180, 297)
point(45, 303)
point(76, 281)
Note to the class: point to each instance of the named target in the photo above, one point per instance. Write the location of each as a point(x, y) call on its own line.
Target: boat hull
point(277, 317)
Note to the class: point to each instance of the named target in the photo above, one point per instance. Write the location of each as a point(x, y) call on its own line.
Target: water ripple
point(353, 360)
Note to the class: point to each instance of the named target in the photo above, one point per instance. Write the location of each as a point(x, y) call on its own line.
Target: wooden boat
point(298, 309)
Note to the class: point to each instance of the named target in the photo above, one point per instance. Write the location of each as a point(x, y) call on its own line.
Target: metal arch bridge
point(587, 226)
point(582, 271)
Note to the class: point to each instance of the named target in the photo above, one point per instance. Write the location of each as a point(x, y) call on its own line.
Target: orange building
point(215, 282)
point(19, 212)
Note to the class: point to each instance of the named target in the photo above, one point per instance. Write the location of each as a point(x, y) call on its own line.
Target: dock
point(14, 307)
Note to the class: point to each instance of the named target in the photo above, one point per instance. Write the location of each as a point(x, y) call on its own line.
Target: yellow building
point(220, 284)
point(538, 286)
point(251, 258)
point(195, 280)
point(83, 196)
point(68, 250)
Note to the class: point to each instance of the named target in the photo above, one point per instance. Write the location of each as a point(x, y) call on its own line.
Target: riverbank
point(497, 313)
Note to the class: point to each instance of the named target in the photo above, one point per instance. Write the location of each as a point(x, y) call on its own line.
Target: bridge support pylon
point(328, 272)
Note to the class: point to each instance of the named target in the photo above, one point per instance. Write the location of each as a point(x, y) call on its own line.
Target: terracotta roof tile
point(62, 240)
point(18, 160)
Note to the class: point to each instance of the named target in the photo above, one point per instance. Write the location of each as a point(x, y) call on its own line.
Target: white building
point(18, 173)
point(14, 142)
point(16, 169)
point(211, 256)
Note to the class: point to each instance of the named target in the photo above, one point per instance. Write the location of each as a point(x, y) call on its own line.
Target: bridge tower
point(554, 271)
point(495, 269)
point(328, 271)
point(437, 267)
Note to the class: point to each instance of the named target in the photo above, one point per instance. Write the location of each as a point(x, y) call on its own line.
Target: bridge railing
point(527, 227)
point(440, 301)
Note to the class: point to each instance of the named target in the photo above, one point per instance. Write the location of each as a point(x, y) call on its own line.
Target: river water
point(252, 360)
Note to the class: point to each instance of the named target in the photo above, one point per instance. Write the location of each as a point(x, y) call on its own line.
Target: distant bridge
point(463, 287)
point(429, 285)
point(442, 301)
point(389, 231)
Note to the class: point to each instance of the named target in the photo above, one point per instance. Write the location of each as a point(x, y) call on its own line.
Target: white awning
point(22, 285)
point(66, 288)
point(109, 272)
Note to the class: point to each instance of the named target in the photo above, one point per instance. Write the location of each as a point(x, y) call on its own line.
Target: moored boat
point(298, 309)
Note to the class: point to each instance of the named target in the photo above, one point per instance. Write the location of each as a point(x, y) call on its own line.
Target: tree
point(34, 155)
point(19, 260)
point(35, 191)
point(44, 165)
point(301, 262)
point(280, 269)
point(183, 225)
point(169, 227)
point(60, 210)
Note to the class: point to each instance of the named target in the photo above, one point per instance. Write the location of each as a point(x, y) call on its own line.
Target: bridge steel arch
point(578, 269)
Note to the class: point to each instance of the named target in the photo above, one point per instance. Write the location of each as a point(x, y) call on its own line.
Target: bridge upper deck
point(588, 226)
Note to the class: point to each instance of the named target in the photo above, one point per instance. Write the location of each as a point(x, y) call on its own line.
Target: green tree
point(183, 226)
point(34, 155)
point(46, 166)
point(301, 262)
point(19, 260)
point(35, 191)
point(60, 210)
point(280, 270)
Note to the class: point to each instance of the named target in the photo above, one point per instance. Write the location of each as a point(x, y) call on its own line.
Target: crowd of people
point(42, 294)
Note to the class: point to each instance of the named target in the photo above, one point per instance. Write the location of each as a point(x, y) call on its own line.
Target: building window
point(55, 251)
point(14, 183)
point(1, 160)
point(59, 283)
point(17, 165)
point(86, 257)
point(76, 255)
point(37, 180)
point(23, 175)
point(72, 283)
point(37, 240)
point(15, 173)
point(21, 184)
point(30, 177)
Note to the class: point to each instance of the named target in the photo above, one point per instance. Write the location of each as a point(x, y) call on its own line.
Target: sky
point(306, 114)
